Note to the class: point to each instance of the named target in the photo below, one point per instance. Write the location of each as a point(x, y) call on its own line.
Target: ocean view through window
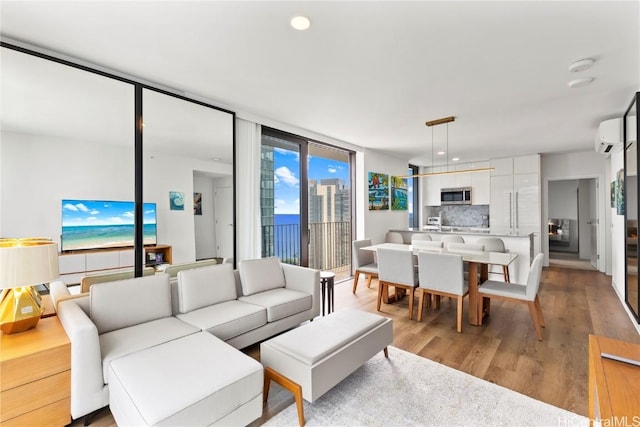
point(320, 235)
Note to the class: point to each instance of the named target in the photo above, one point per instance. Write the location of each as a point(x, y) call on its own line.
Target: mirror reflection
point(631, 209)
point(67, 167)
point(188, 167)
point(66, 135)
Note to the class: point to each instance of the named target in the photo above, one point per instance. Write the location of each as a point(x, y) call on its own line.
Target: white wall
point(205, 224)
point(618, 240)
point(584, 218)
point(377, 223)
point(38, 172)
point(586, 164)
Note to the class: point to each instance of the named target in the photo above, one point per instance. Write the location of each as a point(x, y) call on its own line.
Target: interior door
point(224, 221)
point(593, 215)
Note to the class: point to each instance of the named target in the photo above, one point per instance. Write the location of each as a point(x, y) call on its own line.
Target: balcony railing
point(329, 245)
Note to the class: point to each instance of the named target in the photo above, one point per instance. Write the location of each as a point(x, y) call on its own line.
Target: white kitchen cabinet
point(515, 199)
point(431, 185)
point(463, 179)
point(481, 185)
point(502, 166)
point(447, 180)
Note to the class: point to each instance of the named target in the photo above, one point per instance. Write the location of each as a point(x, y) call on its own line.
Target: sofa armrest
point(305, 280)
point(88, 391)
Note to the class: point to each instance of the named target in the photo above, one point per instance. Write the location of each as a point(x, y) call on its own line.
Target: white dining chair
point(426, 245)
point(527, 293)
point(364, 262)
point(393, 237)
point(441, 275)
point(420, 237)
point(467, 248)
point(495, 244)
point(451, 239)
point(395, 268)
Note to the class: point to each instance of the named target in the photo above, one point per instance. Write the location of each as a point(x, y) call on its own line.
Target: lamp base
point(20, 309)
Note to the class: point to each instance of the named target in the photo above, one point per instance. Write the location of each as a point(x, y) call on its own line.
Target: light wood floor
point(505, 350)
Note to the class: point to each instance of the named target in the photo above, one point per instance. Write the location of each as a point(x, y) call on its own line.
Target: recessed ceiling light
point(580, 82)
point(581, 65)
point(300, 23)
point(215, 159)
point(455, 159)
point(440, 153)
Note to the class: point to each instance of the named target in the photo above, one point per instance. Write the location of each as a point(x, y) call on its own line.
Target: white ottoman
point(320, 354)
point(197, 380)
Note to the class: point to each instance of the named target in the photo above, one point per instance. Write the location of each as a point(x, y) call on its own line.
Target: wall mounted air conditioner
point(609, 137)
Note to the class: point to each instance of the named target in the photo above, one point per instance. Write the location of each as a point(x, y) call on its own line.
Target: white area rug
point(408, 390)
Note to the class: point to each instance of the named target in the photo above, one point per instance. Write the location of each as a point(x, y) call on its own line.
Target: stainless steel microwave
point(455, 196)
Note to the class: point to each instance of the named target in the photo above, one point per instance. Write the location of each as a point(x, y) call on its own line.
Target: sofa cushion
point(259, 275)
point(196, 380)
point(280, 303)
point(228, 319)
point(130, 340)
point(124, 303)
point(202, 287)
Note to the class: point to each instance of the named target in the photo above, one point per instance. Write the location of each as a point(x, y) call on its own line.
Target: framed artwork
point(399, 200)
point(613, 194)
point(197, 203)
point(620, 192)
point(176, 201)
point(378, 191)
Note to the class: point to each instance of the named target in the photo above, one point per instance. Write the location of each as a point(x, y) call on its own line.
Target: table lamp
point(24, 263)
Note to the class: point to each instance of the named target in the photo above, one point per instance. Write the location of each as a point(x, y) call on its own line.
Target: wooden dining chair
point(526, 294)
point(395, 268)
point(441, 275)
point(495, 244)
point(364, 262)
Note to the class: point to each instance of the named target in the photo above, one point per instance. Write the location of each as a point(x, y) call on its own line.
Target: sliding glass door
point(305, 202)
point(329, 209)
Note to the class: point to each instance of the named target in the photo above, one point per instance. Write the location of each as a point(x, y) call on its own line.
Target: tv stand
point(75, 265)
point(158, 254)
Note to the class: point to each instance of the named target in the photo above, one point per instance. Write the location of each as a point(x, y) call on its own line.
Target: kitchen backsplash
point(460, 215)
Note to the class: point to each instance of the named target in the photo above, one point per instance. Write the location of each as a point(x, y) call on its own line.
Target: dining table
point(478, 263)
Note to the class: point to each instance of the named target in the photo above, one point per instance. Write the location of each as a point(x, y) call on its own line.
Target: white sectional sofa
point(119, 319)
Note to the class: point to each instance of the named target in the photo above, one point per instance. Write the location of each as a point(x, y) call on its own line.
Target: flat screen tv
point(101, 224)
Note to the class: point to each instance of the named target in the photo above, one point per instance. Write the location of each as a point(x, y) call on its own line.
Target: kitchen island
point(518, 244)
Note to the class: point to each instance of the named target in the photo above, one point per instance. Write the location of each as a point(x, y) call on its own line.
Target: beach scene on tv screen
point(97, 224)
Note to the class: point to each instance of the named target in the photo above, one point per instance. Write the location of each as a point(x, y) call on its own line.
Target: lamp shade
point(25, 262)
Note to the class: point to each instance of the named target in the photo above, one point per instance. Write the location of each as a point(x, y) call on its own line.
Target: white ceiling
point(371, 73)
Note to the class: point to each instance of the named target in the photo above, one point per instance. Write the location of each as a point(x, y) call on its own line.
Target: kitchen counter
point(449, 229)
point(519, 244)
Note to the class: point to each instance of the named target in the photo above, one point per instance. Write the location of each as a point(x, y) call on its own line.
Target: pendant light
point(431, 124)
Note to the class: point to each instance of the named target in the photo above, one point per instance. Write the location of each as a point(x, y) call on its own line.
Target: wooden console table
point(614, 387)
point(35, 376)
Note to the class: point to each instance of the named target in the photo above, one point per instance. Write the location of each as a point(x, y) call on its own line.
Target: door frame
point(600, 209)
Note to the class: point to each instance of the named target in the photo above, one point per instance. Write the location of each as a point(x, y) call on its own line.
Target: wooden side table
point(35, 376)
point(614, 387)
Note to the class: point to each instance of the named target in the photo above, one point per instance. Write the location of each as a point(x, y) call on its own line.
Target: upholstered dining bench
point(320, 354)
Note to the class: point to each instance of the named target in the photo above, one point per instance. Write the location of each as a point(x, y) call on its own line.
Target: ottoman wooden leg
point(271, 375)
